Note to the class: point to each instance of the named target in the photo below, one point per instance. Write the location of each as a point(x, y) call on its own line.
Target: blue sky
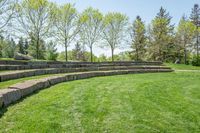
point(147, 9)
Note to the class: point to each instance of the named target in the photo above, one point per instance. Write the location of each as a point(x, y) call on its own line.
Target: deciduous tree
point(91, 29)
point(67, 25)
point(184, 37)
point(34, 18)
point(115, 27)
point(6, 13)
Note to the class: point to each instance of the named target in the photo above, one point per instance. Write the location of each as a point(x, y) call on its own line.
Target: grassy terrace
point(6, 84)
point(162, 102)
point(182, 66)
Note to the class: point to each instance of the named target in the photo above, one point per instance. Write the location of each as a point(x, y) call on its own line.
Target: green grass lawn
point(182, 66)
point(160, 102)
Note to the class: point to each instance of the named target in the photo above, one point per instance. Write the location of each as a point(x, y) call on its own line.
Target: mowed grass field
point(158, 102)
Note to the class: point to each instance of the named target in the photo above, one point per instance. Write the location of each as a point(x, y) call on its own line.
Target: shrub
point(196, 61)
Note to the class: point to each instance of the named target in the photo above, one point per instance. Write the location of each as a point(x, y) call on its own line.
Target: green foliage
point(67, 25)
point(160, 36)
point(138, 38)
point(91, 30)
point(85, 56)
point(34, 19)
point(195, 18)
point(22, 46)
point(8, 48)
point(51, 51)
point(196, 61)
point(62, 57)
point(37, 52)
point(184, 39)
point(102, 58)
point(78, 52)
point(115, 25)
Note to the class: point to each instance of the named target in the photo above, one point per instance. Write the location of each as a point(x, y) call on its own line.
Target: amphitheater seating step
point(22, 65)
point(66, 72)
point(9, 75)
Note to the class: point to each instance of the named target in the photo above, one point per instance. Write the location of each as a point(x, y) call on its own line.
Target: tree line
point(44, 25)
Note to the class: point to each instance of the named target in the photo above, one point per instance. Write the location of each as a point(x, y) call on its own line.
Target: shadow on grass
point(5, 108)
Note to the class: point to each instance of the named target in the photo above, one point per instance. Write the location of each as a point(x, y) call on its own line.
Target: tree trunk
point(37, 48)
point(197, 43)
point(91, 54)
point(185, 56)
point(137, 55)
point(112, 51)
point(66, 52)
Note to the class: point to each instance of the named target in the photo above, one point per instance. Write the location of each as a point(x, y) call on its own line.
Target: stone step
point(23, 89)
point(5, 76)
point(22, 65)
point(17, 62)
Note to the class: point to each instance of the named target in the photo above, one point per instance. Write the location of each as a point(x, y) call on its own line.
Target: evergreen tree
point(195, 18)
point(35, 51)
point(102, 58)
point(78, 52)
point(138, 38)
point(161, 36)
point(9, 47)
point(1, 45)
point(26, 45)
point(20, 46)
point(51, 51)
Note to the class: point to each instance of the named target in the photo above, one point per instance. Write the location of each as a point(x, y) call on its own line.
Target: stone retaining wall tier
point(56, 79)
point(21, 74)
point(9, 96)
point(30, 86)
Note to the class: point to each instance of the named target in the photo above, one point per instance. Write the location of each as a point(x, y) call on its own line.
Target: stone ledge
point(27, 73)
point(23, 89)
point(30, 86)
point(9, 96)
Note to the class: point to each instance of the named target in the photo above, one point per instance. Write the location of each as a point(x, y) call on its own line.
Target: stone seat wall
point(5, 76)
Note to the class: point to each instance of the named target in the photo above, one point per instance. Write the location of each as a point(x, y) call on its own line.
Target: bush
point(196, 61)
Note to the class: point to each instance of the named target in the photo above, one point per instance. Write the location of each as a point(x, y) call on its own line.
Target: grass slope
point(168, 102)
point(182, 66)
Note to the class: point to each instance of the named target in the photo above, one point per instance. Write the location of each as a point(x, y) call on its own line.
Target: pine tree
point(26, 45)
point(195, 18)
point(38, 52)
point(78, 52)
point(138, 38)
point(161, 36)
point(51, 51)
point(9, 47)
point(20, 46)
